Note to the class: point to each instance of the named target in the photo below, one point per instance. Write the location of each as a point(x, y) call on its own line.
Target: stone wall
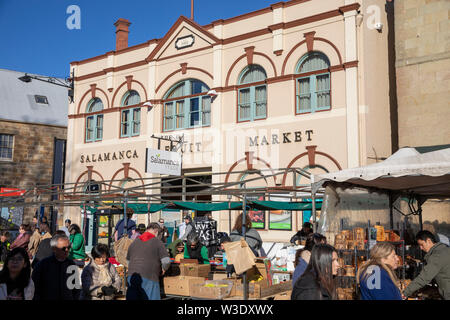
point(423, 71)
point(32, 157)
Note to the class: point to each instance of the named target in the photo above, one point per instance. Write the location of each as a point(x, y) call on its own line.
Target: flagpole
point(192, 10)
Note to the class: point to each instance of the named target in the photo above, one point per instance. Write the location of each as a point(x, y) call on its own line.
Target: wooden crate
point(256, 291)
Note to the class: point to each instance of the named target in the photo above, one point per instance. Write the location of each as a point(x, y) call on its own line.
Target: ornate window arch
point(313, 83)
point(187, 105)
point(94, 122)
point(130, 98)
point(252, 93)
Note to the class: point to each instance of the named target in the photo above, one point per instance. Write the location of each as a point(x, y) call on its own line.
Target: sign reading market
point(163, 162)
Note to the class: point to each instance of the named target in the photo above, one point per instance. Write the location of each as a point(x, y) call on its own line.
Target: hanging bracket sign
point(163, 162)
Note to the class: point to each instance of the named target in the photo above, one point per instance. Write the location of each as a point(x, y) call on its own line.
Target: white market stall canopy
point(406, 171)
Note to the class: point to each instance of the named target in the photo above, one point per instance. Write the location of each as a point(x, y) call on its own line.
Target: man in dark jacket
point(148, 259)
point(437, 265)
point(56, 277)
point(303, 233)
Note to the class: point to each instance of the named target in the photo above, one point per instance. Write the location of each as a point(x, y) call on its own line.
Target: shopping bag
point(239, 255)
point(121, 250)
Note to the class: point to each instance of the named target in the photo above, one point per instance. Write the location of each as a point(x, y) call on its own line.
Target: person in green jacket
point(437, 265)
point(77, 252)
point(193, 249)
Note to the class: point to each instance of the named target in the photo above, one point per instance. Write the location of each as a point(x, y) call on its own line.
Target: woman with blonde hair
point(376, 277)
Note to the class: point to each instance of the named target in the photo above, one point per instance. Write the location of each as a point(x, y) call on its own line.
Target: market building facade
point(33, 130)
point(297, 84)
point(422, 79)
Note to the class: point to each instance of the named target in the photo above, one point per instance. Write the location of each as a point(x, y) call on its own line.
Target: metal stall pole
point(125, 232)
point(313, 199)
point(125, 218)
point(420, 214)
point(148, 211)
point(391, 210)
point(244, 276)
point(294, 194)
point(229, 212)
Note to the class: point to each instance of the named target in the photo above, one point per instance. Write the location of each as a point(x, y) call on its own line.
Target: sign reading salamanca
point(163, 162)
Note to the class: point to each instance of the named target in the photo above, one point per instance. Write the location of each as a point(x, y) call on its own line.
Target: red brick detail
point(183, 67)
point(311, 155)
point(249, 53)
point(122, 33)
point(89, 172)
point(278, 52)
point(126, 169)
point(129, 79)
point(309, 36)
point(249, 159)
point(93, 88)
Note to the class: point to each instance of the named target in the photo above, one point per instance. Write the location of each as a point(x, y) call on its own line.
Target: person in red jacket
point(23, 238)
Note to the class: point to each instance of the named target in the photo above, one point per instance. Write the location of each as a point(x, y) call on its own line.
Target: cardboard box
point(255, 291)
point(194, 270)
point(180, 285)
point(211, 289)
point(219, 276)
point(283, 296)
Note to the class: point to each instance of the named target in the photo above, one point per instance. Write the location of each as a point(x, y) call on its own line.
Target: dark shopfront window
point(173, 190)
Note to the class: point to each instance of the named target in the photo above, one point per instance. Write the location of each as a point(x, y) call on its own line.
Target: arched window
point(252, 102)
point(130, 98)
point(187, 105)
point(94, 123)
point(313, 83)
point(130, 119)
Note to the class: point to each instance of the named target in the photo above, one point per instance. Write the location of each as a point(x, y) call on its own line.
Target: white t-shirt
point(443, 239)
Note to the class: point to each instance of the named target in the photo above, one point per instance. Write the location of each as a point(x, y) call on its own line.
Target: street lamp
point(68, 83)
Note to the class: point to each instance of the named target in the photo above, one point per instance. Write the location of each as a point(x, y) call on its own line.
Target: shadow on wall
point(440, 227)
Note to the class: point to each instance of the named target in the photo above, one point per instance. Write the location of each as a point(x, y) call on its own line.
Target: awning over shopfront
point(281, 205)
point(143, 208)
point(201, 206)
point(407, 171)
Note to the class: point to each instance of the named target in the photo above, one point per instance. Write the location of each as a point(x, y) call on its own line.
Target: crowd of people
point(39, 265)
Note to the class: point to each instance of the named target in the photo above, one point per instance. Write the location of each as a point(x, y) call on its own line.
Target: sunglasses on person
point(64, 248)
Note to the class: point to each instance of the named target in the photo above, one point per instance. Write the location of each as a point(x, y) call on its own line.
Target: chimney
point(122, 33)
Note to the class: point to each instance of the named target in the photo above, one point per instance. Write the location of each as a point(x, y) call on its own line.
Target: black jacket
point(52, 280)
point(44, 250)
point(307, 288)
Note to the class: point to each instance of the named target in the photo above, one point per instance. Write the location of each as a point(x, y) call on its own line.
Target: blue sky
point(35, 37)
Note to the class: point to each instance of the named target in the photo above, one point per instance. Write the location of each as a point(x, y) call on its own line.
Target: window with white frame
point(187, 105)
point(252, 96)
point(6, 146)
point(94, 122)
point(313, 83)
